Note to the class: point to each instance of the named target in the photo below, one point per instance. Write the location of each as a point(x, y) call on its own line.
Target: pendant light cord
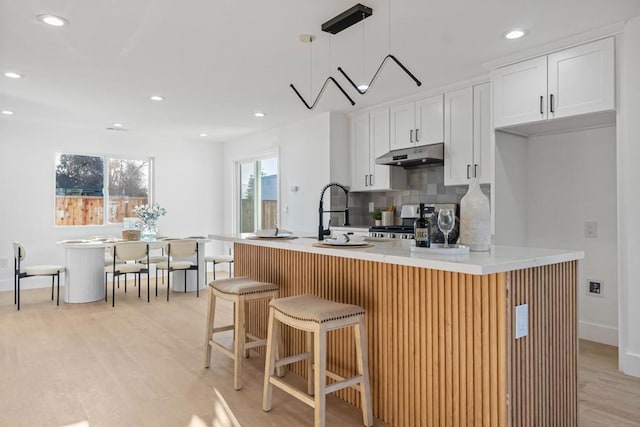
point(363, 73)
point(389, 32)
point(310, 66)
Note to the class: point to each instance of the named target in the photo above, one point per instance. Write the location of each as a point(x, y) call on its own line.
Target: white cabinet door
point(520, 93)
point(482, 162)
point(582, 79)
point(379, 145)
point(429, 121)
point(360, 152)
point(403, 122)
point(458, 136)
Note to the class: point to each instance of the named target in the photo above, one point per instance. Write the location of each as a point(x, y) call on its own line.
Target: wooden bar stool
point(239, 290)
point(316, 316)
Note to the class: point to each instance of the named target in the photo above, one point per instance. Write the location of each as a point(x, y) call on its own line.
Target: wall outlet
point(522, 320)
point(371, 207)
point(591, 229)
point(4, 262)
point(594, 288)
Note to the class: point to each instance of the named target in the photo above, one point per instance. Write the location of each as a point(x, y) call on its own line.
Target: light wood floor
point(141, 364)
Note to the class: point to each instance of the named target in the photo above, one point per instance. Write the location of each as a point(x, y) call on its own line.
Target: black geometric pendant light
point(307, 38)
point(350, 17)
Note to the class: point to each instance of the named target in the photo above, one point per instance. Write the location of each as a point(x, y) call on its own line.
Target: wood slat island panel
point(440, 347)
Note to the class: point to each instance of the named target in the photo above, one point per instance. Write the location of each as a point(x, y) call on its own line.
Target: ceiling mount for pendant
point(347, 18)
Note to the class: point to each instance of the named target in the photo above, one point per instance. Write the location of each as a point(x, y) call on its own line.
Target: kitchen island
point(440, 329)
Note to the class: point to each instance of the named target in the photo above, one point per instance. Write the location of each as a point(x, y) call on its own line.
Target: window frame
point(237, 187)
point(105, 184)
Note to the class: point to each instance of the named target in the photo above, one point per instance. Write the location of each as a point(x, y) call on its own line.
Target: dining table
point(85, 268)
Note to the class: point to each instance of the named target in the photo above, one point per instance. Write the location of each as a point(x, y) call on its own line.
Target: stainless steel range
point(408, 215)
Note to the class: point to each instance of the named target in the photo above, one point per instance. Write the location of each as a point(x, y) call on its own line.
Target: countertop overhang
point(497, 260)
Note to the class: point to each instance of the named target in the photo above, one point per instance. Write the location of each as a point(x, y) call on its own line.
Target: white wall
point(571, 178)
point(509, 194)
point(187, 176)
point(628, 162)
point(305, 149)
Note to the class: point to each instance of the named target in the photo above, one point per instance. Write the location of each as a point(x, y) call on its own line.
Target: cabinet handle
point(365, 180)
point(475, 170)
point(411, 135)
point(468, 168)
point(551, 99)
point(417, 135)
point(541, 105)
point(371, 180)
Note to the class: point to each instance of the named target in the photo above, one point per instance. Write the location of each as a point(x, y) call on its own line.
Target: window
point(85, 185)
point(258, 197)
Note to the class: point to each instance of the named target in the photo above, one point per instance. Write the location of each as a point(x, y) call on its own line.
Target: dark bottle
point(421, 230)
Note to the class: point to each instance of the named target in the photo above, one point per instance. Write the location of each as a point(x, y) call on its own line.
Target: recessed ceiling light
point(363, 87)
point(156, 98)
point(203, 134)
point(7, 112)
point(55, 21)
point(516, 33)
point(118, 125)
point(13, 75)
point(258, 114)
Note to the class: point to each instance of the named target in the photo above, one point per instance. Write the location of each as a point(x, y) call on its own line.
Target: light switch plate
point(371, 207)
point(591, 229)
point(522, 320)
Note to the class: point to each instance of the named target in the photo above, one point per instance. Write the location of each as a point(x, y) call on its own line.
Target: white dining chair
point(22, 272)
point(177, 251)
point(126, 258)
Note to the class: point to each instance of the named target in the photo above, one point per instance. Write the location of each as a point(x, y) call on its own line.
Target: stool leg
point(240, 334)
point(309, 337)
point(269, 360)
point(52, 285)
point(320, 377)
point(363, 369)
point(211, 315)
point(58, 290)
point(246, 313)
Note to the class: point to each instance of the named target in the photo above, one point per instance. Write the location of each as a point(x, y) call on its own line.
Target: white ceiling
point(219, 61)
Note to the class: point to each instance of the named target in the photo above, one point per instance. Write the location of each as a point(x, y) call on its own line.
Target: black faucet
point(321, 231)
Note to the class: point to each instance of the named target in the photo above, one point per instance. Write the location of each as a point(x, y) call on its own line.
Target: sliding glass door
point(258, 194)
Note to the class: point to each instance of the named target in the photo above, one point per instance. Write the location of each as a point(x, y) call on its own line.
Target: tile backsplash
point(425, 184)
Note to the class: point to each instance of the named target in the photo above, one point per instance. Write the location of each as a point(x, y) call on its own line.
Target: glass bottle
point(421, 230)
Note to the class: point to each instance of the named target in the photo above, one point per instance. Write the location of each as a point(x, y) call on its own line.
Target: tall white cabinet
point(467, 134)
point(370, 139)
point(570, 82)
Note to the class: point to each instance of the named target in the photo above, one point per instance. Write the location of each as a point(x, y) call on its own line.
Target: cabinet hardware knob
point(417, 135)
point(541, 105)
point(365, 180)
point(411, 135)
point(371, 180)
point(475, 170)
point(552, 106)
point(468, 168)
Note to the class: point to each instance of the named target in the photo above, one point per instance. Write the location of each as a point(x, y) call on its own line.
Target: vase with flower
point(149, 215)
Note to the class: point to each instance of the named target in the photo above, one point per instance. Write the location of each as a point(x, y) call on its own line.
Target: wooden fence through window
point(88, 210)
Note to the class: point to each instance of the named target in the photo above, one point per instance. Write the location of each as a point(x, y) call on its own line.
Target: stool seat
point(242, 286)
point(310, 308)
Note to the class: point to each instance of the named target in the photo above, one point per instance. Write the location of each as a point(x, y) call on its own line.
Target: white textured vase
point(475, 219)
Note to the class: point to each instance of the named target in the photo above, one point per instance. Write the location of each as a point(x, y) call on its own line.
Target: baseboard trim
point(630, 364)
point(596, 332)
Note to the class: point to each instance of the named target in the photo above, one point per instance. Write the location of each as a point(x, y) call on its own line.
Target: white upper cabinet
point(467, 135)
point(482, 162)
point(574, 81)
point(582, 80)
point(520, 92)
point(369, 140)
point(417, 123)
point(360, 155)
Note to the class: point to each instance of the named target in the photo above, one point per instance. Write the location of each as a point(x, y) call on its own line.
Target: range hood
point(414, 156)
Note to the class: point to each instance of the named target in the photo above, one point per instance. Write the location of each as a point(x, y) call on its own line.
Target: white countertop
point(499, 259)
